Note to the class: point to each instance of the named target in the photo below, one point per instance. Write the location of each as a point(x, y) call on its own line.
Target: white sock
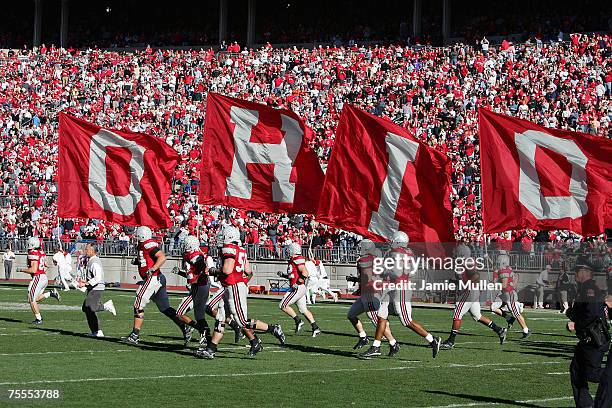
point(526, 330)
point(46, 295)
point(38, 316)
point(429, 338)
point(362, 335)
point(376, 343)
point(392, 342)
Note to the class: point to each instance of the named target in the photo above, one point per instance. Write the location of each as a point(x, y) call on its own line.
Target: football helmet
point(294, 249)
point(192, 244)
point(143, 234)
point(400, 240)
point(33, 243)
point(366, 247)
point(231, 234)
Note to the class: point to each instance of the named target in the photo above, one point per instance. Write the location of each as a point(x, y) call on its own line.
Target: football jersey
point(239, 255)
point(505, 273)
point(365, 268)
point(37, 255)
point(295, 277)
point(146, 257)
point(196, 261)
point(400, 274)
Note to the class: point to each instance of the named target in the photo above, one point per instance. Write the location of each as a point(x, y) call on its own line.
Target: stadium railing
point(534, 260)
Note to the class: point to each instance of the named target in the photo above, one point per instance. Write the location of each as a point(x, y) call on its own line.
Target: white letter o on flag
point(530, 193)
point(124, 205)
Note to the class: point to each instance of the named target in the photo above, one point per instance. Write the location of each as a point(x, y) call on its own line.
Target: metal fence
point(519, 260)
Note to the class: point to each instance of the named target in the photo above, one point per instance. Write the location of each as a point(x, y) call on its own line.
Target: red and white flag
point(541, 178)
point(113, 175)
point(381, 179)
point(258, 158)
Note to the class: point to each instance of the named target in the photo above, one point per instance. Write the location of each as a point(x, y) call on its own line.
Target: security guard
point(588, 319)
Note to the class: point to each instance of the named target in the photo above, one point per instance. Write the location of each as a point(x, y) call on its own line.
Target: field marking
point(481, 404)
point(454, 365)
point(507, 369)
point(558, 373)
point(61, 352)
point(14, 306)
point(162, 377)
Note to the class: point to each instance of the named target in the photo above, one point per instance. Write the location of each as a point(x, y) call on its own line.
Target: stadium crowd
point(434, 92)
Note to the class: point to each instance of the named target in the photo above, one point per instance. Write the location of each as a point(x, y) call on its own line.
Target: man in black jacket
point(588, 319)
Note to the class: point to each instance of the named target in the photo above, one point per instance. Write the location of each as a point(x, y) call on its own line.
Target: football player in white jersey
point(369, 299)
point(313, 282)
point(63, 261)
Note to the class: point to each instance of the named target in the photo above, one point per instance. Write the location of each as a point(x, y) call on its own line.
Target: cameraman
point(588, 318)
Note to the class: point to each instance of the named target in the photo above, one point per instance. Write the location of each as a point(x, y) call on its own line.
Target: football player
point(323, 281)
point(297, 275)
point(234, 275)
point(149, 260)
point(215, 303)
point(369, 300)
point(507, 300)
point(469, 301)
point(36, 289)
point(63, 261)
point(401, 299)
point(198, 266)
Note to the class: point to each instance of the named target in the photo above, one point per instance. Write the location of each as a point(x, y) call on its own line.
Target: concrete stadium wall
point(119, 269)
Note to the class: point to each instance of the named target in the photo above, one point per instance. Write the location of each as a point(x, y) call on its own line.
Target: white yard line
point(485, 404)
point(162, 377)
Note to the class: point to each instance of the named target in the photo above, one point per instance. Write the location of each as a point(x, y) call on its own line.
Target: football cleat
point(98, 334)
point(238, 335)
point(316, 332)
point(435, 346)
point(110, 307)
point(131, 339)
point(255, 348)
point(369, 353)
point(393, 350)
point(503, 333)
point(510, 320)
point(278, 333)
point(187, 330)
point(363, 341)
point(447, 345)
point(526, 335)
point(205, 353)
point(298, 326)
point(55, 294)
point(37, 321)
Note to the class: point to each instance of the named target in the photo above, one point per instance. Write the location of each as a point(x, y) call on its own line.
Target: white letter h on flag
point(281, 155)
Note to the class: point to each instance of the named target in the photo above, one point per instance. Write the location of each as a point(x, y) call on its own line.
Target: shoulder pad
point(150, 245)
point(299, 260)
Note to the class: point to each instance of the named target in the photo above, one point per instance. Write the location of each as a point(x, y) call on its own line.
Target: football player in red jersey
point(215, 303)
point(469, 302)
point(507, 300)
point(369, 299)
point(401, 299)
point(198, 265)
point(38, 284)
point(234, 275)
point(149, 260)
point(297, 275)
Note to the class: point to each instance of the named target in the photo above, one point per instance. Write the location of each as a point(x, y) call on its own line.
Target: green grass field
point(307, 372)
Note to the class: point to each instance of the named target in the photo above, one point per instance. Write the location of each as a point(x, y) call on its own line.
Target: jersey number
point(240, 262)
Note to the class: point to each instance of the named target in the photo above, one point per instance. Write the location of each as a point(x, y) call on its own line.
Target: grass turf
point(307, 372)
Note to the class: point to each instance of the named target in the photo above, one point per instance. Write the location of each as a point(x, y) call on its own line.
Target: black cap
point(584, 262)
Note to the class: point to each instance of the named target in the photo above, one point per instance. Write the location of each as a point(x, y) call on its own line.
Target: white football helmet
point(33, 243)
point(143, 234)
point(192, 243)
point(366, 247)
point(231, 234)
point(503, 261)
point(294, 249)
point(400, 240)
